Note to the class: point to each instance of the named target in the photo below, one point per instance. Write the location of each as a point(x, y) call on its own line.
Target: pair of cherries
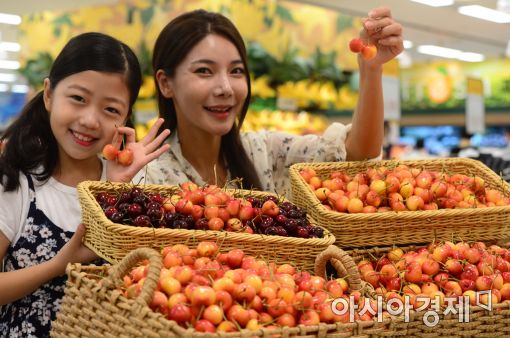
point(124, 157)
point(368, 51)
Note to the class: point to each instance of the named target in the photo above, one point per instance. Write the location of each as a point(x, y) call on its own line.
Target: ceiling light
point(484, 13)
point(20, 89)
point(408, 44)
point(5, 77)
point(450, 53)
point(10, 19)
point(439, 51)
point(435, 3)
point(404, 60)
point(504, 6)
point(471, 57)
point(6, 64)
point(10, 46)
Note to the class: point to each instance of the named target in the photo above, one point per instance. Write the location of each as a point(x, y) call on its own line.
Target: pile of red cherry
point(213, 209)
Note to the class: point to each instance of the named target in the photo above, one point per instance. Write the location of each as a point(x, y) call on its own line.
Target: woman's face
point(209, 87)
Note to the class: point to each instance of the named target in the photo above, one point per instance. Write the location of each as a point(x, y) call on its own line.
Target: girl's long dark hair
point(173, 44)
point(30, 146)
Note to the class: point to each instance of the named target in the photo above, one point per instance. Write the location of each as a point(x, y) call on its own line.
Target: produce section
point(222, 284)
point(254, 263)
point(330, 240)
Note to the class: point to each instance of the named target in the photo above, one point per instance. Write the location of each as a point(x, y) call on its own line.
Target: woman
point(203, 85)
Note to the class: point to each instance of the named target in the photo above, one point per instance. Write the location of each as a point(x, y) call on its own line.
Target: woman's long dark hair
point(173, 44)
point(29, 140)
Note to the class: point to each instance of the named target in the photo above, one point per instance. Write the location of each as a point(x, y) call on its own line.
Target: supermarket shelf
point(491, 119)
point(500, 118)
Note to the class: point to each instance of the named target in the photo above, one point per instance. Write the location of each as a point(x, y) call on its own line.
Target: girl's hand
point(143, 151)
point(74, 251)
point(381, 30)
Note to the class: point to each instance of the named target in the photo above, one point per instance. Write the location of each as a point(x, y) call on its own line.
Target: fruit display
point(382, 203)
point(207, 291)
point(207, 208)
point(297, 123)
point(212, 291)
point(443, 271)
point(286, 121)
point(402, 188)
point(442, 287)
point(121, 217)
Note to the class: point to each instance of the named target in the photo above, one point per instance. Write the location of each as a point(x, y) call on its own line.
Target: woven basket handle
point(343, 264)
point(129, 261)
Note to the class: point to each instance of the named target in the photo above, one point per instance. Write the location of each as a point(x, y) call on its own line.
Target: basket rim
point(321, 211)
point(415, 162)
point(85, 189)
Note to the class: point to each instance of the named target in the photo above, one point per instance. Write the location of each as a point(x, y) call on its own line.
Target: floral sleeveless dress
point(41, 239)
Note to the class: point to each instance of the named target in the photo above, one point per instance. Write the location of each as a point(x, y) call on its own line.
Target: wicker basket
point(406, 227)
point(93, 306)
point(113, 241)
point(482, 322)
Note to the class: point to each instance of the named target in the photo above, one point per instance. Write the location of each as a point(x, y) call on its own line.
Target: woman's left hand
point(380, 29)
point(144, 151)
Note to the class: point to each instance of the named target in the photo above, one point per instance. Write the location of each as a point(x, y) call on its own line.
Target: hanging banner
point(475, 106)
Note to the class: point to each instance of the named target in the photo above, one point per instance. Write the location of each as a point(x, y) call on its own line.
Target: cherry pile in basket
point(402, 188)
point(207, 208)
point(210, 291)
point(477, 271)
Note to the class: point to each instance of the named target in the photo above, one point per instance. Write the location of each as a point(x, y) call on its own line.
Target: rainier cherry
point(369, 52)
point(110, 152)
point(181, 313)
point(356, 45)
point(214, 314)
point(270, 208)
point(204, 325)
point(203, 295)
point(125, 157)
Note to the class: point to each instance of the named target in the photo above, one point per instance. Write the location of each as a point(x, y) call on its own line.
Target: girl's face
point(85, 109)
point(209, 87)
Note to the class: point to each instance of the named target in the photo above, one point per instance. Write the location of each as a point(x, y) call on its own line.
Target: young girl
point(52, 146)
point(204, 91)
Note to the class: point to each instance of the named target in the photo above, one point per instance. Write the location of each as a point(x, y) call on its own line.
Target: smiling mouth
point(81, 138)
point(219, 110)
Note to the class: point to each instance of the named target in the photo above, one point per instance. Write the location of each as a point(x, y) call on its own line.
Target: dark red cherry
point(142, 221)
point(109, 211)
point(136, 191)
point(134, 209)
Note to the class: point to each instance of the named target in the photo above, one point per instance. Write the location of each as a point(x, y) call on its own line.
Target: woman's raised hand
point(380, 29)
